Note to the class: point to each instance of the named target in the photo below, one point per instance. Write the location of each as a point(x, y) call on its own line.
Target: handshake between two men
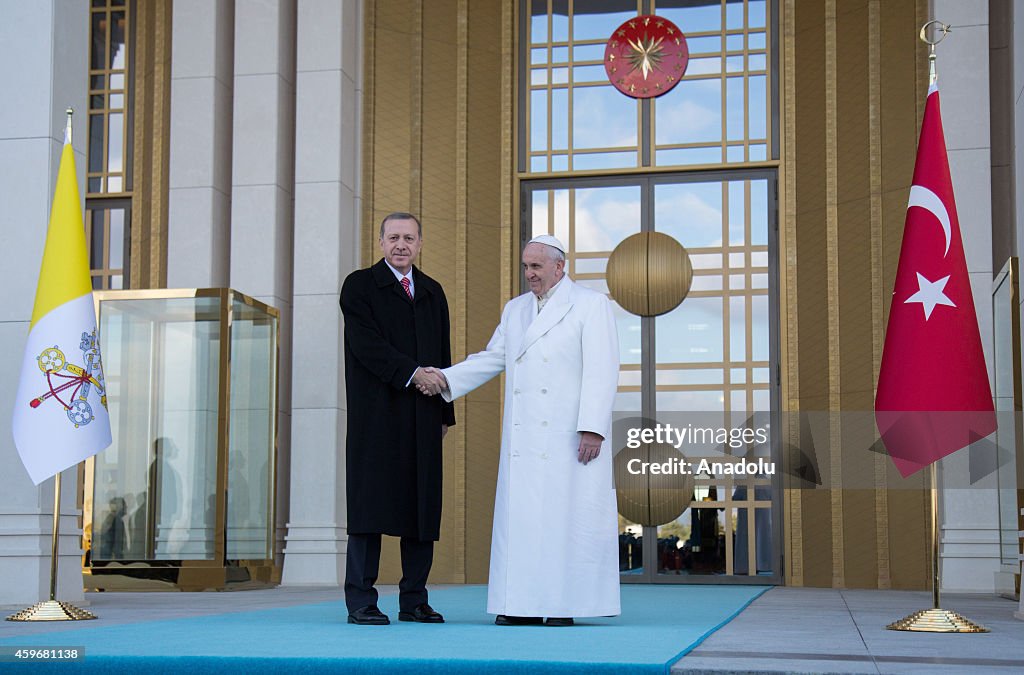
point(430, 381)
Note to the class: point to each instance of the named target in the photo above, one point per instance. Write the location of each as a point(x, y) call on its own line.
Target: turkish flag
point(933, 392)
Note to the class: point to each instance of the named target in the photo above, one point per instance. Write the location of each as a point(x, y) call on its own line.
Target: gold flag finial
point(944, 29)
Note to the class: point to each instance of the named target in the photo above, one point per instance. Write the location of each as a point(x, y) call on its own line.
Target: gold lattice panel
point(433, 143)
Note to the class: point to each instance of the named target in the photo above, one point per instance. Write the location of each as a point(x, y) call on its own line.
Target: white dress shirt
point(543, 299)
point(400, 276)
point(412, 292)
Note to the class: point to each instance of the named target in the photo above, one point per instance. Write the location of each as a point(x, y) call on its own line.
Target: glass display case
point(184, 497)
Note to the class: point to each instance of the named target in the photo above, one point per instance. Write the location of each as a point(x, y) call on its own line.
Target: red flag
point(933, 392)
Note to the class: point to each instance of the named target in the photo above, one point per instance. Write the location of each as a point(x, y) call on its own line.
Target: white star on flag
point(930, 294)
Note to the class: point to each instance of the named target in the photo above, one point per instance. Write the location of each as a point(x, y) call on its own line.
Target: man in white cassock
point(554, 546)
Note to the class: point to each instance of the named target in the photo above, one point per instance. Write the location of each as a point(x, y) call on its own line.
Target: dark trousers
point(363, 563)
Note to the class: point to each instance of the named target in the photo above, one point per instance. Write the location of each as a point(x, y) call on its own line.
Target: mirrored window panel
point(109, 29)
point(591, 222)
point(631, 544)
point(708, 360)
point(719, 113)
point(107, 225)
point(713, 350)
point(109, 147)
point(715, 537)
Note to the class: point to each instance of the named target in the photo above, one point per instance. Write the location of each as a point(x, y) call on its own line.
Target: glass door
point(708, 364)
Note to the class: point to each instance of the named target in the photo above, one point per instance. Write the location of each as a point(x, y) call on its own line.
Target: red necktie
point(405, 285)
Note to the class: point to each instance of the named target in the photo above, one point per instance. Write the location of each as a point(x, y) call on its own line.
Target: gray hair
point(400, 215)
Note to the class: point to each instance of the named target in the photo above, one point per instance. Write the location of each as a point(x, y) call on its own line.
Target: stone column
point(969, 518)
point(327, 142)
point(45, 46)
point(199, 203)
point(262, 186)
point(1016, 39)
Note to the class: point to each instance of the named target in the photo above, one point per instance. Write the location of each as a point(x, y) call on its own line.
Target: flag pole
point(936, 619)
point(53, 609)
point(56, 535)
point(935, 534)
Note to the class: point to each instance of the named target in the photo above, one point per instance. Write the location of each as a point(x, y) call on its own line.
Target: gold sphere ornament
point(649, 273)
point(650, 486)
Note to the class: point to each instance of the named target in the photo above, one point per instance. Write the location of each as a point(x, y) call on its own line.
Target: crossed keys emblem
point(73, 382)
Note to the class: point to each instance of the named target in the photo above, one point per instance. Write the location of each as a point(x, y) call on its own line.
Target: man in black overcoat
point(396, 319)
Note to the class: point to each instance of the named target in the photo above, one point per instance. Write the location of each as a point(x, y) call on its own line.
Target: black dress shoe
point(423, 613)
point(559, 621)
point(503, 620)
point(369, 616)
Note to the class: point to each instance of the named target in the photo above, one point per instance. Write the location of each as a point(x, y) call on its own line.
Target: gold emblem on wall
point(649, 273)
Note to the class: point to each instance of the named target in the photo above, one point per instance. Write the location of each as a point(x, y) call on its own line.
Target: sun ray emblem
point(647, 54)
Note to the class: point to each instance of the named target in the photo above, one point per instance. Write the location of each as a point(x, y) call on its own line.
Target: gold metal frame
point(815, 48)
point(832, 292)
point(101, 269)
point(108, 14)
point(562, 70)
point(102, 92)
point(749, 270)
point(792, 533)
point(150, 124)
point(218, 572)
point(144, 107)
point(445, 98)
point(145, 124)
point(881, 508)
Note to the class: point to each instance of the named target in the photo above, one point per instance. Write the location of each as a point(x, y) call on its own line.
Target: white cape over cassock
point(554, 546)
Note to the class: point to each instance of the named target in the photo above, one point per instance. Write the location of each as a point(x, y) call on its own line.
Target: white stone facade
point(264, 198)
point(48, 40)
point(969, 523)
point(266, 101)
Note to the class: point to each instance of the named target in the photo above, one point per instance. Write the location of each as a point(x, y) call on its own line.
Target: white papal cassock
point(554, 546)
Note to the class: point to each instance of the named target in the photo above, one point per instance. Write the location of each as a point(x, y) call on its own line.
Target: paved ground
point(789, 630)
point(118, 608)
point(813, 630)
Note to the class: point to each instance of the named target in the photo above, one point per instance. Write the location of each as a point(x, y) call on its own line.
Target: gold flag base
point(937, 621)
point(52, 610)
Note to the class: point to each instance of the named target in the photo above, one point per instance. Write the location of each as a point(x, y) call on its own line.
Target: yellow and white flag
point(60, 414)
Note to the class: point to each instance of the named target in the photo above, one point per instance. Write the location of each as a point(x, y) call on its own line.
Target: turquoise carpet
point(657, 626)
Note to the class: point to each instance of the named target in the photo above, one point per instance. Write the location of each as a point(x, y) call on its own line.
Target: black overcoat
point(393, 459)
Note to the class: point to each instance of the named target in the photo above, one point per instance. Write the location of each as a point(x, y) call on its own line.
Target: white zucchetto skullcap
point(548, 240)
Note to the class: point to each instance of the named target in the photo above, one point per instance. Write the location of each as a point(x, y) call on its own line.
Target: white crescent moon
point(928, 200)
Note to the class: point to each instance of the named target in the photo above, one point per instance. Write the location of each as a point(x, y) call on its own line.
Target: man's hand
point(444, 430)
point(442, 380)
point(429, 381)
point(590, 446)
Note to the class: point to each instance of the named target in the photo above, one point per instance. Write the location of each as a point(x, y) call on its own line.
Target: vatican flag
point(60, 413)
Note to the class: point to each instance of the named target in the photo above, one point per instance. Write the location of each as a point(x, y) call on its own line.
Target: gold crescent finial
point(942, 28)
